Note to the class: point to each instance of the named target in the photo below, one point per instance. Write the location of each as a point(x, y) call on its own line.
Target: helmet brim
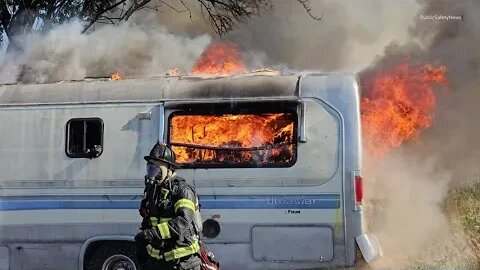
point(150, 159)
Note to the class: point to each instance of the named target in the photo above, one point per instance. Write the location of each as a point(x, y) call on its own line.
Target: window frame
point(251, 108)
point(67, 136)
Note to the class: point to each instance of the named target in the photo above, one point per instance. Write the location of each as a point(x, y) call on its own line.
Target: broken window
point(84, 138)
point(266, 139)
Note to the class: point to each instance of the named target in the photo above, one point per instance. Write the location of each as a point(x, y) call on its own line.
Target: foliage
point(462, 207)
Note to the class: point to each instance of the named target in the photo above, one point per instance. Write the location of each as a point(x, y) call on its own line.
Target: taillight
point(358, 189)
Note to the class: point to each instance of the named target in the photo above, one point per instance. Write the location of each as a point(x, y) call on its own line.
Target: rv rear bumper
point(369, 246)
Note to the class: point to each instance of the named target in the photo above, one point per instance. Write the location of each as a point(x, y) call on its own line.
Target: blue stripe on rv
point(316, 201)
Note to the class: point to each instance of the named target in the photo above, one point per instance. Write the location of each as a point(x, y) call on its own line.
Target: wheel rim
point(118, 262)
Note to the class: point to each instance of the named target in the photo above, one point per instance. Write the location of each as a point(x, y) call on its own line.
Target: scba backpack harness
point(209, 262)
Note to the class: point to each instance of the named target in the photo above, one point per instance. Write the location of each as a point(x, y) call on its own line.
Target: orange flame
point(245, 138)
point(398, 105)
point(116, 76)
point(220, 59)
point(173, 72)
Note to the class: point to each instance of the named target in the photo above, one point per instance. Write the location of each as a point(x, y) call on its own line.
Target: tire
point(113, 256)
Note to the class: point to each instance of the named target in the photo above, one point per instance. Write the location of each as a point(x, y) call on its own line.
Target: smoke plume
point(405, 190)
point(411, 184)
point(347, 38)
point(453, 138)
point(66, 54)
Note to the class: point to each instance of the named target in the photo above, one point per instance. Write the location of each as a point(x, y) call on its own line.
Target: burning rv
point(275, 158)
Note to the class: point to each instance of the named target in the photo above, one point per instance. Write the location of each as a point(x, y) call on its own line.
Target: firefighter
point(169, 236)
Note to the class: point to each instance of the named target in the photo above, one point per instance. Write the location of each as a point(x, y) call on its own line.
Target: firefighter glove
point(151, 234)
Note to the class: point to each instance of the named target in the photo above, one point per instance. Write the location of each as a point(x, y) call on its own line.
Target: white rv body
point(55, 211)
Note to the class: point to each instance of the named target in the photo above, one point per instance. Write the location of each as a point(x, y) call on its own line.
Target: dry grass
point(462, 207)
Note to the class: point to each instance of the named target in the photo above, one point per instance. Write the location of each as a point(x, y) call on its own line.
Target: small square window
point(84, 138)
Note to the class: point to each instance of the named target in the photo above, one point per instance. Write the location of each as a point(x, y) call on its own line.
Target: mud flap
point(369, 246)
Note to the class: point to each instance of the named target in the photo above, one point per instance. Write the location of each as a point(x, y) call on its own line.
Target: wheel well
point(93, 246)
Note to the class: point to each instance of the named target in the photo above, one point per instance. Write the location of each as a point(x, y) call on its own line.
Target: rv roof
point(150, 89)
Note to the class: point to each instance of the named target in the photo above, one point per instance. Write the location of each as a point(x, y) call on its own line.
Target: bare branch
point(224, 14)
point(308, 9)
point(19, 16)
point(5, 18)
point(172, 7)
point(136, 6)
point(154, 8)
point(100, 13)
point(122, 12)
point(189, 11)
point(60, 4)
point(108, 18)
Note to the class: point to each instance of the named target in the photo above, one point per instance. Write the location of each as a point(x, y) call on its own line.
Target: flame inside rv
point(250, 140)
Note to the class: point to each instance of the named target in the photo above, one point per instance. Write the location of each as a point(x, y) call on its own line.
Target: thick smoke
point(405, 193)
point(453, 138)
point(406, 189)
point(414, 180)
point(66, 54)
point(411, 184)
point(349, 36)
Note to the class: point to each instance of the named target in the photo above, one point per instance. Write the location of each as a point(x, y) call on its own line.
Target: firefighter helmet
point(162, 152)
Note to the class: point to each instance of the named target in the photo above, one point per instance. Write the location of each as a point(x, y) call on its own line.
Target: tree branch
point(224, 14)
point(108, 18)
point(136, 6)
point(172, 7)
point(100, 13)
point(189, 10)
point(60, 4)
point(308, 9)
point(5, 16)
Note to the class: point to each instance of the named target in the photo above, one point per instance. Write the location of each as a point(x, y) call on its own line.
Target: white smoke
point(66, 54)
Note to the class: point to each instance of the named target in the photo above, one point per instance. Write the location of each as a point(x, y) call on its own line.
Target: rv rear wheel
point(113, 256)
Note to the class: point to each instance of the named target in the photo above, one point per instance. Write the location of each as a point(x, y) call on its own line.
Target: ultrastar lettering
point(292, 201)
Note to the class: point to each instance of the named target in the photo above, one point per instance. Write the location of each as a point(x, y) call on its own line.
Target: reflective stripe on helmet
point(182, 251)
point(164, 230)
point(185, 203)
